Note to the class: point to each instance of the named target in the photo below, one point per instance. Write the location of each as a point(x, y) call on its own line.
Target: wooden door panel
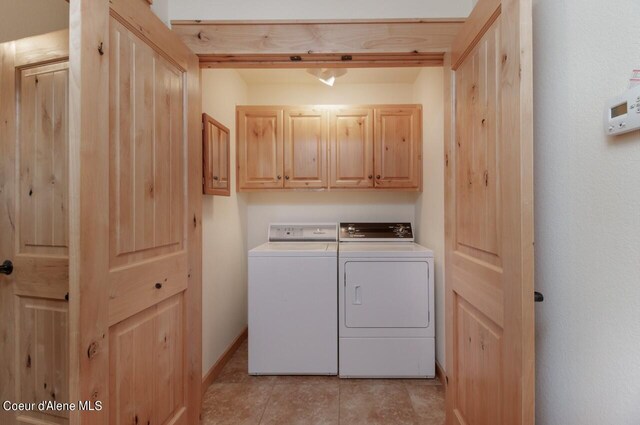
point(351, 141)
point(146, 366)
point(147, 148)
point(489, 219)
point(305, 148)
point(260, 148)
point(477, 160)
point(215, 148)
point(138, 218)
point(479, 342)
point(43, 353)
point(398, 147)
point(43, 166)
point(34, 224)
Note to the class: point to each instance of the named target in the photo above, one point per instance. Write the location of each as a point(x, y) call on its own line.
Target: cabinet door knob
point(378, 177)
point(279, 177)
point(286, 177)
point(370, 176)
point(215, 177)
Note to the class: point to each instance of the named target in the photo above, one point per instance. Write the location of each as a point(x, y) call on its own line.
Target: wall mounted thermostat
point(622, 113)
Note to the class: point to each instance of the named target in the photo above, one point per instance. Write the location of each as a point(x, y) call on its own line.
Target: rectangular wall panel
point(147, 150)
point(43, 160)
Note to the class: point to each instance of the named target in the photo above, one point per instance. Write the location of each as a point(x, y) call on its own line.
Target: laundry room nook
point(343, 126)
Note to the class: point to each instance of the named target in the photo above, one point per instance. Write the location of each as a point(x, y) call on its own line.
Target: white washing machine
point(386, 303)
point(293, 327)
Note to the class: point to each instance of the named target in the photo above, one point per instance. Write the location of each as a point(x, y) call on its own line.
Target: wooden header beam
point(301, 44)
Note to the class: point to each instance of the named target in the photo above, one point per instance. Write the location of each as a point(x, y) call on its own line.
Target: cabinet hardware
point(378, 177)
point(370, 176)
point(279, 177)
point(286, 177)
point(158, 285)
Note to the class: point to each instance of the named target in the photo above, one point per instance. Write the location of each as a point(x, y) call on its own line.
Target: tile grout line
point(273, 384)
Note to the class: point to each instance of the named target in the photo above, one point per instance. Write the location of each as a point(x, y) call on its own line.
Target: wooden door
point(305, 148)
point(259, 148)
point(489, 219)
point(136, 181)
point(398, 147)
point(34, 225)
point(215, 164)
point(351, 148)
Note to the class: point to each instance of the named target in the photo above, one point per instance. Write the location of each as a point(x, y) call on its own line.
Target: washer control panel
point(622, 113)
point(307, 232)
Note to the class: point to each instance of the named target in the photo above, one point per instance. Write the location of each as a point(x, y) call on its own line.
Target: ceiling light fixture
point(327, 75)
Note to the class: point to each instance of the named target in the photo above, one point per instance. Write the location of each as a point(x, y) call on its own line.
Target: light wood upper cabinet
point(373, 147)
point(305, 148)
point(215, 152)
point(351, 146)
point(260, 148)
point(398, 147)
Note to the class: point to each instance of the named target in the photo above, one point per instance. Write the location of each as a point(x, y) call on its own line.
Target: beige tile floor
point(236, 398)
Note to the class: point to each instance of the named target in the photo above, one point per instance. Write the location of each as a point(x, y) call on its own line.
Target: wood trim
point(215, 370)
point(89, 209)
point(449, 211)
point(481, 19)
point(441, 375)
point(220, 43)
point(385, 21)
point(321, 60)
point(193, 294)
point(53, 45)
point(7, 241)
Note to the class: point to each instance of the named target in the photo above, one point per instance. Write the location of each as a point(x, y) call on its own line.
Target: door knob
point(538, 297)
point(378, 177)
point(279, 177)
point(286, 177)
point(370, 176)
point(6, 267)
point(215, 177)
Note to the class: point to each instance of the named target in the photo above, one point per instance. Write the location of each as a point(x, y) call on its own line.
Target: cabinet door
point(215, 146)
point(351, 146)
point(259, 148)
point(398, 147)
point(305, 148)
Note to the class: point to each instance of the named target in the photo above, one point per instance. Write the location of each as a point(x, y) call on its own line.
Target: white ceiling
point(353, 76)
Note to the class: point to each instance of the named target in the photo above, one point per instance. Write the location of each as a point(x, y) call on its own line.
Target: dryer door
point(386, 294)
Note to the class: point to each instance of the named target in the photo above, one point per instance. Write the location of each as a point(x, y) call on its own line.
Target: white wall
point(330, 207)
point(587, 215)
point(318, 93)
point(327, 9)
point(161, 9)
point(224, 279)
point(24, 18)
point(428, 90)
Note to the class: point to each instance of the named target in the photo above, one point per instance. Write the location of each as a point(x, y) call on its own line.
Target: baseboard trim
point(441, 375)
point(215, 370)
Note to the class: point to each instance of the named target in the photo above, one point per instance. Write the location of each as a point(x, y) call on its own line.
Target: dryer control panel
point(307, 232)
point(376, 232)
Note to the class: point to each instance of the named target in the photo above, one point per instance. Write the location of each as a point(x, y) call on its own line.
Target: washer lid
point(383, 250)
point(295, 249)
